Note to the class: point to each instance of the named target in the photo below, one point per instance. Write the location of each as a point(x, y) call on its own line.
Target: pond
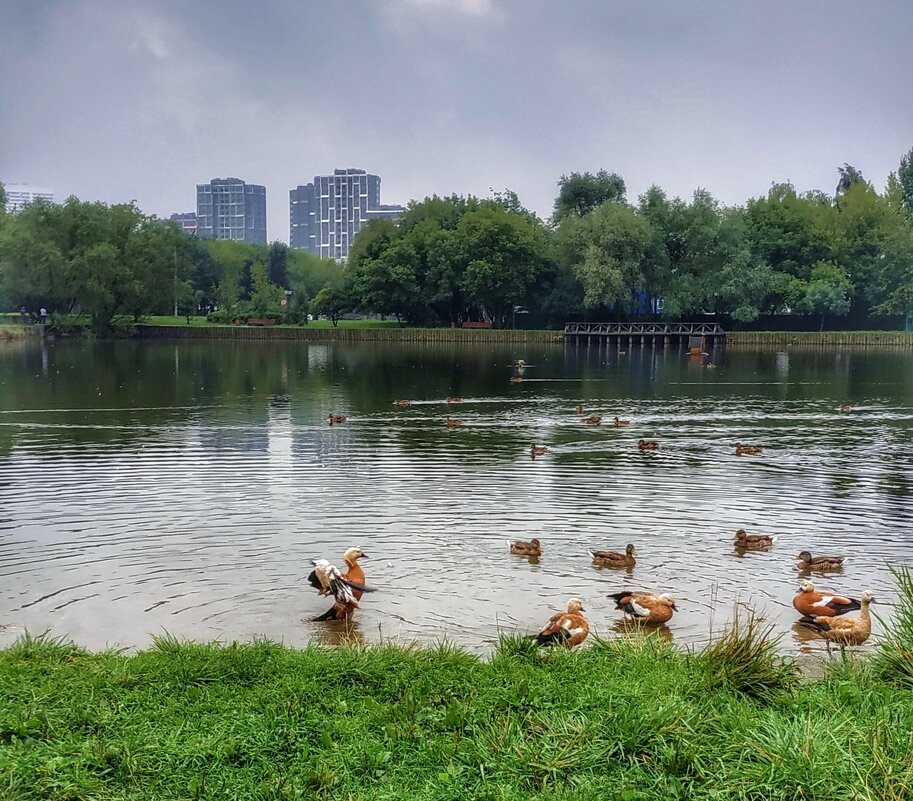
point(152, 486)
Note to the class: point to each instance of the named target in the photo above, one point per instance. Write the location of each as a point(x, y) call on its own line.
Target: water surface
point(153, 486)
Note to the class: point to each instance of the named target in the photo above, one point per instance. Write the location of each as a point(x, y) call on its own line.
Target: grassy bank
point(202, 322)
point(628, 719)
point(821, 339)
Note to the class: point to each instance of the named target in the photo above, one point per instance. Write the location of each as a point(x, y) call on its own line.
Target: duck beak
point(363, 555)
point(674, 608)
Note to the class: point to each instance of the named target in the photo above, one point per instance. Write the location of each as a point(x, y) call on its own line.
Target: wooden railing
point(644, 329)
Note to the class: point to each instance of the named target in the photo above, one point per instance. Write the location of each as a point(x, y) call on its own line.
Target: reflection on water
point(186, 487)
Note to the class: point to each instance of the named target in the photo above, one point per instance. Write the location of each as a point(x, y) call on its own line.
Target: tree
point(266, 298)
point(905, 178)
point(277, 265)
point(606, 250)
point(503, 253)
point(331, 302)
point(849, 176)
point(828, 291)
point(580, 193)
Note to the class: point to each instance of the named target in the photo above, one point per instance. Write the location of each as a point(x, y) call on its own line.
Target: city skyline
point(113, 102)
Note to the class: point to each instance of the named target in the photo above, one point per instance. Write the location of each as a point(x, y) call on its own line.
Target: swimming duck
point(520, 364)
point(594, 420)
point(453, 399)
point(844, 408)
point(538, 450)
point(522, 548)
point(453, 422)
point(402, 402)
point(645, 445)
point(328, 580)
point(619, 423)
point(847, 630)
point(808, 562)
point(515, 379)
point(568, 628)
point(579, 409)
point(813, 604)
point(747, 450)
point(615, 559)
point(336, 418)
point(645, 607)
point(752, 542)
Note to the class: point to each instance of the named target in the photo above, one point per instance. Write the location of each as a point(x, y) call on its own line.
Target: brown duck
point(613, 558)
point(335, 419)
point(647, 445)
point(752, 542)
point(747, 450)
point(844, 630)
point(645, 607)
point(522, 548)
point(568, 628)
point(538, 450)
point(805, 561)
point(593, 420)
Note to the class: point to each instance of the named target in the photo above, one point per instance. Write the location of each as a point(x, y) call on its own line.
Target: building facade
point(18, 196)
point(325, 216)
point(187, 222)
point(229, 208)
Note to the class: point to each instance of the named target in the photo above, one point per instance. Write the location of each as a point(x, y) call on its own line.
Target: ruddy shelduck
point(346, 588)
point(845, 630)
point(646, 607)
point(613, 558)
point(523, 548)
point(805, 561)
point(752, 542)
point(568, 628)
point(812, 604)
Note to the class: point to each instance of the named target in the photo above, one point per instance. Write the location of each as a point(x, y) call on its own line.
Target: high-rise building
point(229, 208)
point(20, 195)
point(326, 215)
point(187, 221)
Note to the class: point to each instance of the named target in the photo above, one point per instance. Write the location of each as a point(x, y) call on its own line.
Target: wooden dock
point(618, 335)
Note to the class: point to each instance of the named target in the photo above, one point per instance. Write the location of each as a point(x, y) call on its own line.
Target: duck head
point(806, 586)
point(574, 605)
point(668, 600)
point(741, 535)
point(629, 550)
point(868, 597)
point(353, 554)
point(804, 556)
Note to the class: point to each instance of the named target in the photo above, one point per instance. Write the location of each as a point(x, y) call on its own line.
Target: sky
point(119, 100)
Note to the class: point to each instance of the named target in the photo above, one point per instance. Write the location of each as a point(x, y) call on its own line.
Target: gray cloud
point(116, 100)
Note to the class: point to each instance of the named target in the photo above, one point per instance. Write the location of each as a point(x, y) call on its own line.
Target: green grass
point(626, 719)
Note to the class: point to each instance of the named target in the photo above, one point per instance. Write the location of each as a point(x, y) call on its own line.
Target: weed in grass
point(894, 657)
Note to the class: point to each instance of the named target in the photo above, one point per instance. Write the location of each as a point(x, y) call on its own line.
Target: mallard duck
point(747, 450)
point(453, 399)
point(355, 577)
point(847, 630)
point(618, 423)
point(522, 548)
point(453, 422)
point(568, 628)
point(806, 561)
point(579, 409)
point(647, 445)
point(844, 408)
point(811, 604)
point(645, 607)
point(593, 420)
point(538, 450)
point(336, 418)
point(615, 559)
point(402, 402)
point(752, 542)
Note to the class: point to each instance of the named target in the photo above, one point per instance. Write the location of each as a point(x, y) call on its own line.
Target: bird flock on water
point(821, 612)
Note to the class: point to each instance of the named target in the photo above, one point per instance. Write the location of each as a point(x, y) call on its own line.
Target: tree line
point(449, 260)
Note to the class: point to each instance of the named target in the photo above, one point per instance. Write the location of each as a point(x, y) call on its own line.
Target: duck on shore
point(613, 558)
point(812, 604)
point(805, 561)
point(568, 628)
point(523, 548)
point(752, 542)
point(645, 607)
point(844, 630)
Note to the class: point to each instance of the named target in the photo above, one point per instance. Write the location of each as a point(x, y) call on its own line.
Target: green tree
point(266, 298)
point(828, 291)
point(277, 264)
point(503, 253)
point(331, 302)
point(849, 176)
point(580, 193)
point(905, 178)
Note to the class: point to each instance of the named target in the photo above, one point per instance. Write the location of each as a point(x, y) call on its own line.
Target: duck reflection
point(335, 633)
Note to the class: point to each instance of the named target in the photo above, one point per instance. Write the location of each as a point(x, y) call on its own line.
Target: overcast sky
point(115, 100)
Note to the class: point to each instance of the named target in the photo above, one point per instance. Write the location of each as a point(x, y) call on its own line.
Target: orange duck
point(568, 628)
point(844, 630)
point(645, 607)
point(811, 604)
point(347, 588)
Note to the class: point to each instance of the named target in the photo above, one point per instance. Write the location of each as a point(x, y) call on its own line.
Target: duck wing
point(633, 603)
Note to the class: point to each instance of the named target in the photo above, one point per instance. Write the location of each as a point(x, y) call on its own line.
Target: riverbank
point(820, 339)
point(631, 718)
